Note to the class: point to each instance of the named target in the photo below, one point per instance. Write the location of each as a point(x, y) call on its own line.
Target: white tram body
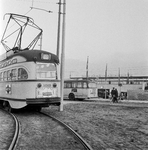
point(80, 89)
point(30, 78)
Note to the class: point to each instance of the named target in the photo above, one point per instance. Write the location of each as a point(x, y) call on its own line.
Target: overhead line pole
point(105, 80)
point(58, 48)
point(59, 25)
point(63, 54)
point(87, 68)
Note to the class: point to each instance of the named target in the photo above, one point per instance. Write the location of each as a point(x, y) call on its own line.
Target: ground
point(107, 126)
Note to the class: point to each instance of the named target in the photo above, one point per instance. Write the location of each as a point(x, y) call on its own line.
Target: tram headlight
point(54, 85)
point(39, 85)
point(45, 56)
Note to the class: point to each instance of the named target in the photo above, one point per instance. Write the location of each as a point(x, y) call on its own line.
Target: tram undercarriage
point(35, 104)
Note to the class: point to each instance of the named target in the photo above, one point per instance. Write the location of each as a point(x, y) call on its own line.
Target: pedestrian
point(114, 94)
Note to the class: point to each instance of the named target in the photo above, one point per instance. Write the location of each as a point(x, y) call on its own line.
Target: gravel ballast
point(107, 126)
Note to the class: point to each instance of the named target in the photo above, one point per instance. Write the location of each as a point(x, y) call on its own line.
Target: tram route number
point(8, 89)
point(47, 93)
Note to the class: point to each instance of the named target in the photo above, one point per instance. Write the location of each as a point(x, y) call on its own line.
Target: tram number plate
point(47, 93)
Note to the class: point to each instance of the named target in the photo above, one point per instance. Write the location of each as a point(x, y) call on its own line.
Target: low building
point(134, 87)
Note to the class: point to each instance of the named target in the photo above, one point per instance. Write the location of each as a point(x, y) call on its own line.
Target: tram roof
point(35, 55)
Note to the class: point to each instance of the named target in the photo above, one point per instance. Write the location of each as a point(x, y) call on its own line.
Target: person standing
point(114, 94)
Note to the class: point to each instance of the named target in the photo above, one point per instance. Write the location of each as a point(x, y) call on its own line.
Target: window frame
point(1, 76)
point(22, 76)
point(50, 75)
point(5, 75)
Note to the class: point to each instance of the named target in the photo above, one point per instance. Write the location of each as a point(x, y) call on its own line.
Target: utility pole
point(119, 83)
point(63, 54)
point(105, 80)
point(87, 68)
point(106, 73)
point(127, 78)
point(59, 25)
point(119, 77)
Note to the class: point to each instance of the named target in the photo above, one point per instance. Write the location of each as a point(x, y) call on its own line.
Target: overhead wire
point(39, 1)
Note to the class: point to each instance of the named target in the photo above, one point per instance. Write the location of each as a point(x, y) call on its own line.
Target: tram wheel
point(71, 96)
point(1, 104)
point(7, 106)
point(38, 109)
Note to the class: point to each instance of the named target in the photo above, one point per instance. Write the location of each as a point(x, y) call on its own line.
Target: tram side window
point(13, 74)
point(8, 75)
point(5, 76)
point(22, 74)
point(1, 76)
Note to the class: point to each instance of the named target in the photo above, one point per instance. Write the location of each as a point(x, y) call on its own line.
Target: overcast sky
point(112, 32)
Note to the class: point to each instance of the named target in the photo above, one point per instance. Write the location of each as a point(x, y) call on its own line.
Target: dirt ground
point(107, 126)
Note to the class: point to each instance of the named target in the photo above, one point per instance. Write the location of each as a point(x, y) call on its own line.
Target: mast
point(63, 54)
point(59, 24)
point(106, 73)
point(87, 67)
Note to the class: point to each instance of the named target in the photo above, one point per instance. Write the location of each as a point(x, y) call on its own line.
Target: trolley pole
point(63, 54)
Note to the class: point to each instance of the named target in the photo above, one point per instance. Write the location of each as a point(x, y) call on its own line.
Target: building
point(134, 87)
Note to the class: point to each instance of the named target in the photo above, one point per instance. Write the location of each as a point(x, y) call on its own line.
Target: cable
point(28, 11)
point(39, 1)
point(32, 3)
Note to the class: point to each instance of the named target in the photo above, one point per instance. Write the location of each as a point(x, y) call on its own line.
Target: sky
point(109, 32)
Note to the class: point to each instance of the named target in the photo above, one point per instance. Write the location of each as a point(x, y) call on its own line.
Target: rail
point(79, 138)
point(15, 137)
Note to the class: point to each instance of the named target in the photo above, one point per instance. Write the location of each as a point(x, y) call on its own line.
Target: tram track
point(40, 130)
point(11, 140)
point(62, 134)
point(16, 133)
point(77, 136)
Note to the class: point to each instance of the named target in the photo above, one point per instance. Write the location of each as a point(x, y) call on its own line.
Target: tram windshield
point(46, 71)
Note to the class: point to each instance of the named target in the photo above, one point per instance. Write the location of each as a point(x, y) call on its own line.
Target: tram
point(28, 77)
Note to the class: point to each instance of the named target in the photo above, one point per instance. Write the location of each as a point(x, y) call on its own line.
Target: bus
point(80, 89)
point(29, 78)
